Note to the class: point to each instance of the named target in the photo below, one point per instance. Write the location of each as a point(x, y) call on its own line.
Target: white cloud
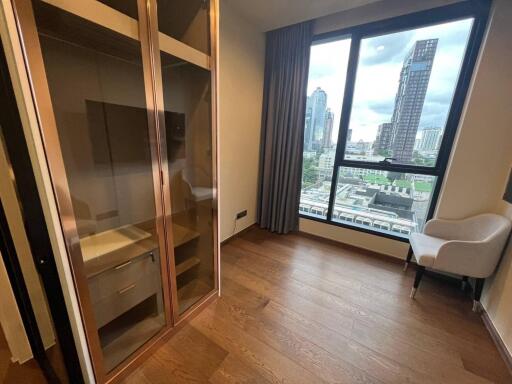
point(379, 71)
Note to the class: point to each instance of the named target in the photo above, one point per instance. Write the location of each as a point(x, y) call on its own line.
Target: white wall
point(497, 296)
point(483, 157)
point(241, 57)
point(380, 10)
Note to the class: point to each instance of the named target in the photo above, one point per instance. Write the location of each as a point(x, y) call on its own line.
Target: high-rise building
point(316, 107)
point(349, 135)
point(327, 135)
point(326, 164)
point(307, 126)
point(414, 78)
point(430, 139)
point(382, 143)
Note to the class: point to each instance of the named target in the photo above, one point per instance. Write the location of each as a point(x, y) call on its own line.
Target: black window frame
point(478, 10)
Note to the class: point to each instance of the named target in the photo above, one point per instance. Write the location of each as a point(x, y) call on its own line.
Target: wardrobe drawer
point(117, 278)
point(126, 298)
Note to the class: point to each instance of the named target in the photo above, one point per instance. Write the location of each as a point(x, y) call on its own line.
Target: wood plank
point(182, 235)
point(272, 365)
point(235, 371)
point(191, 292)
point(300, 310)
point(186, 265)
point(100, 14)
point(183, 51)
point(271, 267)
point(447, 365)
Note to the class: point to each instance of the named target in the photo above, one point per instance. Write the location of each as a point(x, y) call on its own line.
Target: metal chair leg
point(479, 286)
point(464, 283)
point(408, 259)
point(417, 279)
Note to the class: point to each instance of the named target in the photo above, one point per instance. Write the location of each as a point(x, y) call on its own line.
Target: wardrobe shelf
point(183, 235)
point(187, 265)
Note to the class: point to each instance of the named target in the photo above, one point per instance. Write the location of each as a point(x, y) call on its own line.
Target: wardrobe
point(125, 95)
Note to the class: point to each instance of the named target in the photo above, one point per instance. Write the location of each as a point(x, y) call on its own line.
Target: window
point(404, 88)
point(383, 200)
point(383, 103)
point(327, 74)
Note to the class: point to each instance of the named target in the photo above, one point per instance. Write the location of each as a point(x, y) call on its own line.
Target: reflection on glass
point(326, 85)
point(390, 202)
point(404, 87)
point(97, 91)
point(187, 92)
point(187, 21)
point(129, 8)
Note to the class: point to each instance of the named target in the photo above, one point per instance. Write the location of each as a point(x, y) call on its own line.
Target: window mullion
point(345, 115)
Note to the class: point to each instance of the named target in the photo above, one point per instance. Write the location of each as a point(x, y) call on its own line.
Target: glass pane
point(187, 99)
point(97, 90)
point(326, 87)
point(390, 202)
point(403, 93)
point(187, 21)
point(129, 8)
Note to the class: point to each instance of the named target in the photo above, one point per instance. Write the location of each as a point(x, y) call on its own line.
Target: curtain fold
point(282, 128)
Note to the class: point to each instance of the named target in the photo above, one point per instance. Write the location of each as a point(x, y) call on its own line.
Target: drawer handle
point(123, 265)
point(124, 290)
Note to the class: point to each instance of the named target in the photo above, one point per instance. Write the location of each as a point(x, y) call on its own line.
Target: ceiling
point(272, 14)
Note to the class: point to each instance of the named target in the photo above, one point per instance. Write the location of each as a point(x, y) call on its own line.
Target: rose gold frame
point(148, 35)
point(158, 84)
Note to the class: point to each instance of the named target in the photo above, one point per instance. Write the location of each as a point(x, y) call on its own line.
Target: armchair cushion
point(425, 248)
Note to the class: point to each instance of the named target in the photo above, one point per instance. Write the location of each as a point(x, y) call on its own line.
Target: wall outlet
point(241, 214)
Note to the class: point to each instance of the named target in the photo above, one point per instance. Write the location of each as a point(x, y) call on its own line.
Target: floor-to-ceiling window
point(383, 104)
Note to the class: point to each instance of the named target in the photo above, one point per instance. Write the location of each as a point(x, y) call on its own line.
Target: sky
point(380, 61)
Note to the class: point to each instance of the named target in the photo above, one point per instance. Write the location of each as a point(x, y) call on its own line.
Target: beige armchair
point(470, 247)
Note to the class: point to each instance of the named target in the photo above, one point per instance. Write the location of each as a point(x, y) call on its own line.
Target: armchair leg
point(417, 279)
point(464, 284)
point(479, 286)
point(408, 259)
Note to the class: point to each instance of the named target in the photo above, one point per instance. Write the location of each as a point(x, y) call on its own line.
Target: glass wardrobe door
point(187, 100)
point(187, 21)
point(97, 89)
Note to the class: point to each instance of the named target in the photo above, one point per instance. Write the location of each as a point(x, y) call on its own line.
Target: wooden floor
point(15, 373)
point(29, 372)
point(299, 310)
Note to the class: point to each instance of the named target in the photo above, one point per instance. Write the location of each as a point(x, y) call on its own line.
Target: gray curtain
point(282, 127)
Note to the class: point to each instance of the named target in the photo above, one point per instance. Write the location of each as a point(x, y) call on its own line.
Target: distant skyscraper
point(349, 135)
point(430, 139)
point(410, 97)
point(316, 107)
point(327, 135)
point(382, 142)
point(307, 126)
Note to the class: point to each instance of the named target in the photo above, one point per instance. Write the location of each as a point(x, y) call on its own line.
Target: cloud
point(378, 73)
point(385, 49)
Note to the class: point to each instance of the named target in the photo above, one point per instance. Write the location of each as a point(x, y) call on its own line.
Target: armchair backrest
point(477, 249)
point(485, 227)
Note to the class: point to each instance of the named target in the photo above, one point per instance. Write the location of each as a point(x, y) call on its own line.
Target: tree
point(309, 172)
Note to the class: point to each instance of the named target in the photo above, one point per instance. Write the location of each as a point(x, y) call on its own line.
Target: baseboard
point(498, 341)
point(235, 235)
point(338, 243)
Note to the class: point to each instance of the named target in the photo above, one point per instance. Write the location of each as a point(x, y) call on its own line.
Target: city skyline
point(379, 71)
